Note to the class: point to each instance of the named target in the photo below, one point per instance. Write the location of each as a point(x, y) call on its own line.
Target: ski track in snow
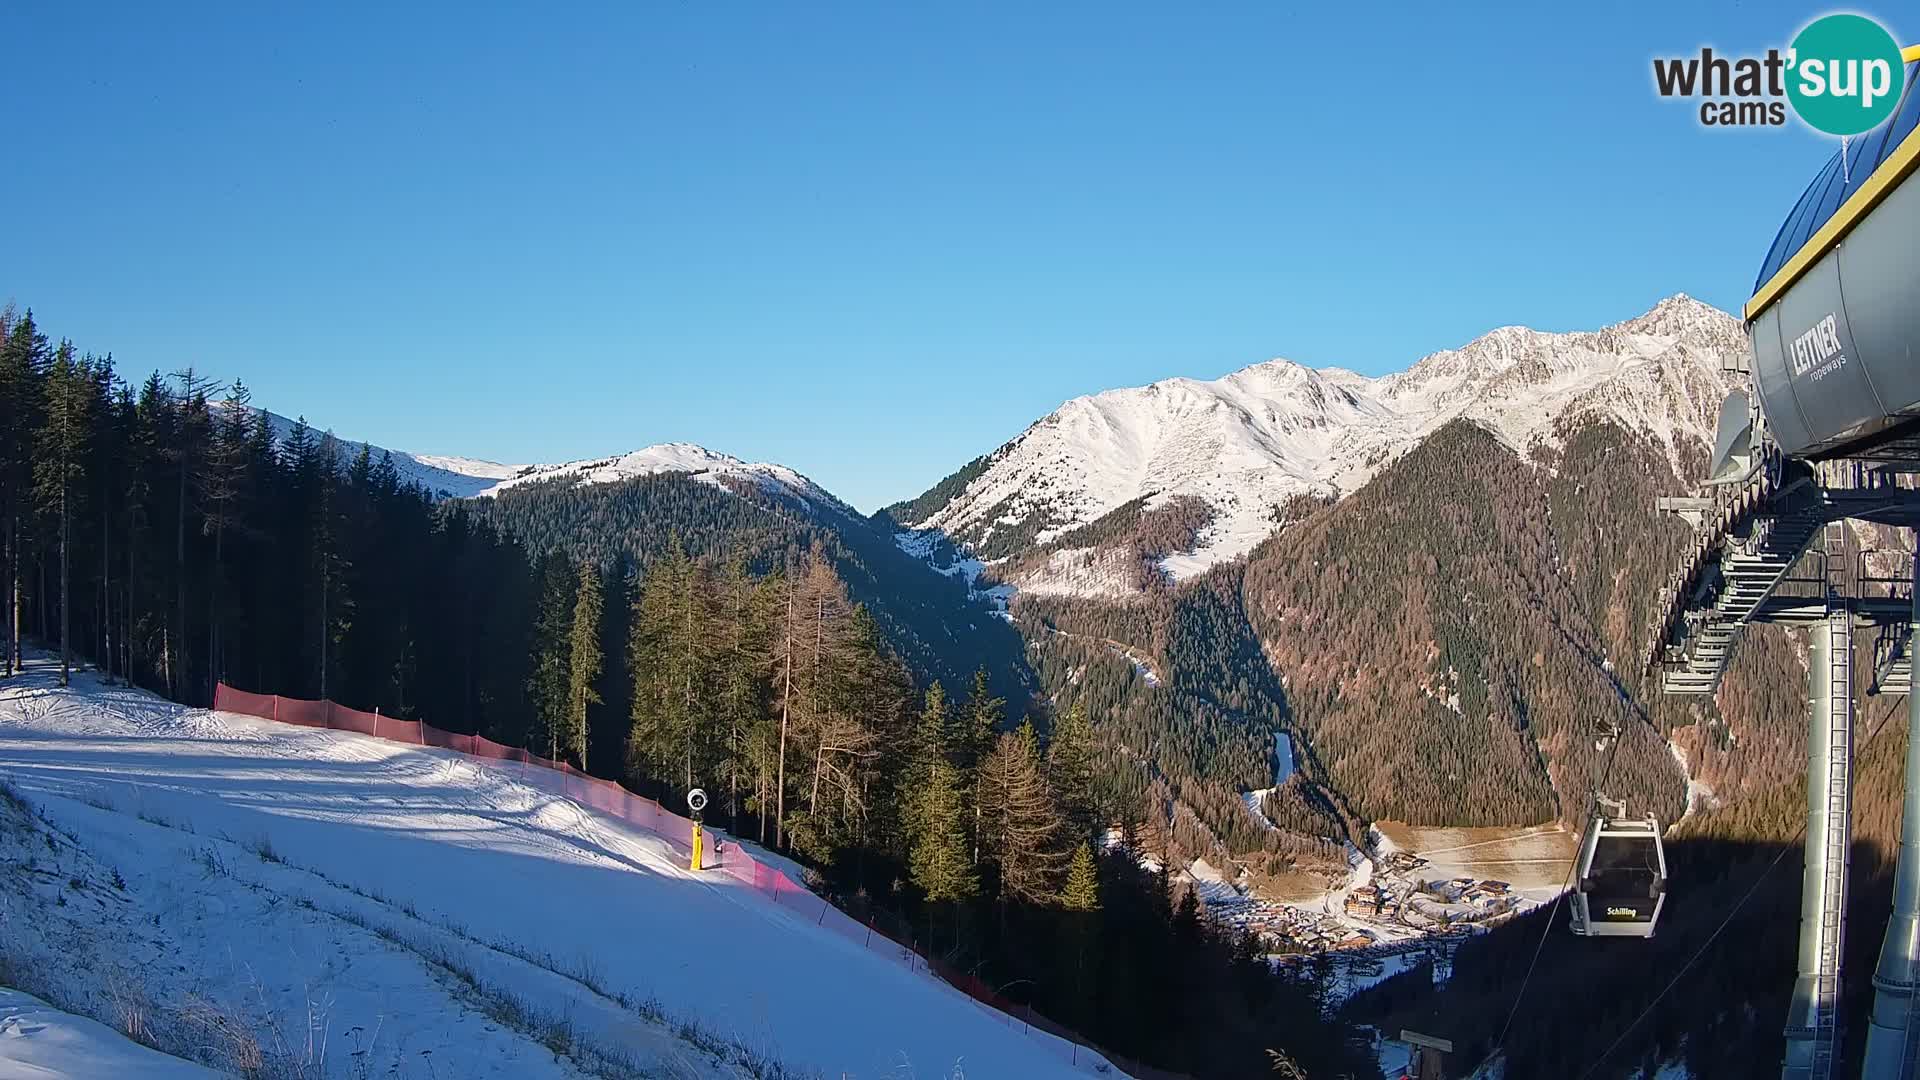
point(430, 831)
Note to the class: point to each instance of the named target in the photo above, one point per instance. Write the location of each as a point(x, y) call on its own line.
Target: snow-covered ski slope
point(467, 854)
point(39, 1041)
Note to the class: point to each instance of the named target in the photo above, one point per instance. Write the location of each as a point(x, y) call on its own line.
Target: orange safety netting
point(725, 856)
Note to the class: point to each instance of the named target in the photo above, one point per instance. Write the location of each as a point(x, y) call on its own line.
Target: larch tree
point(811, 642)
point(858, 707)
point(1020, 826)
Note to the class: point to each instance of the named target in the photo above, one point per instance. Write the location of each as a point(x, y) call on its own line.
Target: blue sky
point(868, 241)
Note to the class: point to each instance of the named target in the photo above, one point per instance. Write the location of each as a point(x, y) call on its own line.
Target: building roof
point(1841, 194)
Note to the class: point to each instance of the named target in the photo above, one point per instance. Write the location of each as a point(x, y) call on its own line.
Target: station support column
point(1813, 1015)
point(1892, 1034)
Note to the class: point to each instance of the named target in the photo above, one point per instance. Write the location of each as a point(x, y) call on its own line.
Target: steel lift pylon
point(1774, 545)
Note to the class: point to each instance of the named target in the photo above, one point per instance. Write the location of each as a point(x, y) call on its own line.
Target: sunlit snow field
point(345, 896)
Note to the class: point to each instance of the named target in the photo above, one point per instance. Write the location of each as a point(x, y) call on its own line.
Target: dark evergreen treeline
point(164, 535)
point(935, 814)
point(930, 620)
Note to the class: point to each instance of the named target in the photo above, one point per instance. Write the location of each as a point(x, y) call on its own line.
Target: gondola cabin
point(1622, 880)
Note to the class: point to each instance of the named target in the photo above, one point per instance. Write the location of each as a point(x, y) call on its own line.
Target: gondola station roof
point(1835, 313)
point(1835, 187)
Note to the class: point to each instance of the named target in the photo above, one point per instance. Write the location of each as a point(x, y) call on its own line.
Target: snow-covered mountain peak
point(1247, 441)
point(721, 470)
point(1683, 319)
point(449, 476)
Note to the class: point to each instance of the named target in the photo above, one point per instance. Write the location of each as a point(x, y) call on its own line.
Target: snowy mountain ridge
point(697, 461)
point(452, 477)
point(1247, 441)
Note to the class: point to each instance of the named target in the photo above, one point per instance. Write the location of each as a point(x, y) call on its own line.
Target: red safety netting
point(446, 740)
point(290, 710)
point(342, 718)
point(487, 748)
point(722, 854)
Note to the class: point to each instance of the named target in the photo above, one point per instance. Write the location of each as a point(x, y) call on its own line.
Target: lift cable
point(1606, 772)
point(1735, 910)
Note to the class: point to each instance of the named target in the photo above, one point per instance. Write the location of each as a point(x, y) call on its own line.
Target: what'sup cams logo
point(1842, 75)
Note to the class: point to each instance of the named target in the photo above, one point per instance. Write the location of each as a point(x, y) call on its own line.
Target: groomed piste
point(575, 910)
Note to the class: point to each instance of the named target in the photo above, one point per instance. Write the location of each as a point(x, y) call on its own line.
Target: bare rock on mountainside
point(1245, 443)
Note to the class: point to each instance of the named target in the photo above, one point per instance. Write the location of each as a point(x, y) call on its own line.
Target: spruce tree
point(23, 359)
point(741, 705)
point(1082, 892)
point(549, 682)
point(929, 749)
point(1070, 765)
point(674, 657)
point(224, 488)
point(939, 861)
point(331, 566)
point(62, 442)
point(583, 663)
point(973, 740)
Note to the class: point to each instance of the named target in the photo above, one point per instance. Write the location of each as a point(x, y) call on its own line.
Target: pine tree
point(1082, 892)
point(939, 862)
point(583, 664)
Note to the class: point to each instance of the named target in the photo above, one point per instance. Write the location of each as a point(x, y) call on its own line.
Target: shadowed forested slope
point(929, 619)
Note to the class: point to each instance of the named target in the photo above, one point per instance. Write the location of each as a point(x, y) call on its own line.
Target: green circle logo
point(1845, 74)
